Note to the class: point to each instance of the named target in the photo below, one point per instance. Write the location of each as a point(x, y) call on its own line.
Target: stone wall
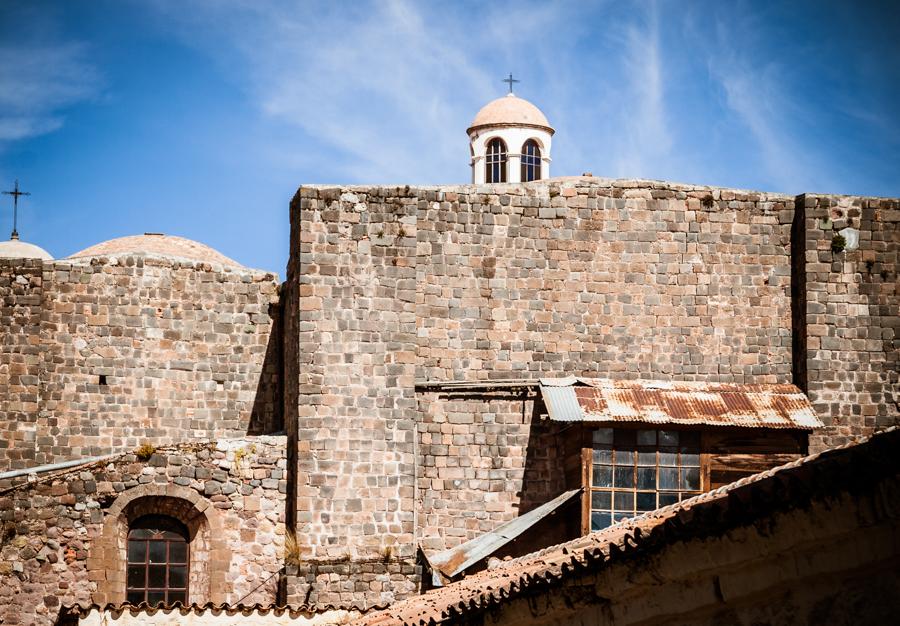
point(484, 459)
point(21, 294)
point(584, 276)
point(603, 278)
point(105, 355)
point(851, 324)
point(356, 407)
point(62, 535)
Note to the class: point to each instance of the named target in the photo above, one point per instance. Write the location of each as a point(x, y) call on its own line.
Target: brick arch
point(209, 554)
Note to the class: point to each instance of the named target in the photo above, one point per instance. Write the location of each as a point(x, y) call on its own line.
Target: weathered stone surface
point(54, 547)
point(102, 356)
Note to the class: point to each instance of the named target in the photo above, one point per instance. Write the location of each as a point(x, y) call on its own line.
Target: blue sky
point(201, 118)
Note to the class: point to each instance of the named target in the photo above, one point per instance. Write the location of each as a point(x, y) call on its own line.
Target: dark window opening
point(635, 471)
point(158, 561)
point(495, 161)
point(102, 380)
point(531, 161)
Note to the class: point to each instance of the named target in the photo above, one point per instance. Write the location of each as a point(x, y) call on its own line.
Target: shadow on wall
point(267, 415)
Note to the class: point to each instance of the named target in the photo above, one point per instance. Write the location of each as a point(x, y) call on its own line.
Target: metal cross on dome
point(510, 80)
point(15, 193)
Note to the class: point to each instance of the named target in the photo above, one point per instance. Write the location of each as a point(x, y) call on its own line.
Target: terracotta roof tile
point(713, 512)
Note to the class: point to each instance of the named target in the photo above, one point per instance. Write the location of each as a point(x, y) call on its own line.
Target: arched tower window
point(158, 561)
point(495, 161)
point(531, 161)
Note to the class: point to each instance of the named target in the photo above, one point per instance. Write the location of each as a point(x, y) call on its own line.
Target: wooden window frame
point(168, 531)
point(587, 463)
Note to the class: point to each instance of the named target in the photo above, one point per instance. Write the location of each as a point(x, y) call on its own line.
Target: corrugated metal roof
point(676, 402)
point(455, 560)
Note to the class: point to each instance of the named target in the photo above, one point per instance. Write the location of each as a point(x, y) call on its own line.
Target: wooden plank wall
point(734, 453)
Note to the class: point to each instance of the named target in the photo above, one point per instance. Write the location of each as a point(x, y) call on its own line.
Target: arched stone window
point(531, 161)
point(495, 161)
point(158, 561)
point(172, 514)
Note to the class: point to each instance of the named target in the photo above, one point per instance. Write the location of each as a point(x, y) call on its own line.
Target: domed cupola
point(510, 141)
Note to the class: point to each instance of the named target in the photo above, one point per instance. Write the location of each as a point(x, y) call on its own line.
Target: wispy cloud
point(37, 83)
point(647, 138)
point(759, 94)
point(391, 84)
point(369, 80)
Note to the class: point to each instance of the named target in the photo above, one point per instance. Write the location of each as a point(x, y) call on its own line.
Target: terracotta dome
point(159, 245)
point(15, 249)
point(510, 110)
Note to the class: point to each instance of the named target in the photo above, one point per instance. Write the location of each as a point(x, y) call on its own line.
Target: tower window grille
point(531, 161)
point(495, 161)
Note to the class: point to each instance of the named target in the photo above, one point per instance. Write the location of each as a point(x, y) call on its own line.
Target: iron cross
point(15, 193)
point(510, 80)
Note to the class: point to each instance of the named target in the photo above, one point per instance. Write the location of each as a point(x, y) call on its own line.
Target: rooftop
point(16, 249)
point(510, 110)
point(157, 244)
point(715, 512)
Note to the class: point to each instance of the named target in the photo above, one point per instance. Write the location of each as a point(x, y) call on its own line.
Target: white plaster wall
point(515, 138)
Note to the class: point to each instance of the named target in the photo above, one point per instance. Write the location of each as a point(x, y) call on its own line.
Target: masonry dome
point(510, 110)
point(158, 244)
point(15, 249)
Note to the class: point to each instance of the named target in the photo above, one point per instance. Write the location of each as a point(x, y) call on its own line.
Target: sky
point(202, 118)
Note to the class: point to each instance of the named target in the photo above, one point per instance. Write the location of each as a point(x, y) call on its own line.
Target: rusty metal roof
point(455, 560)
point(752, 498)
point(675, 402)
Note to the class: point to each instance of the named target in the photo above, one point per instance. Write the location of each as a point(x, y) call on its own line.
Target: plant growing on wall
point(838, 243)
point(144, 451)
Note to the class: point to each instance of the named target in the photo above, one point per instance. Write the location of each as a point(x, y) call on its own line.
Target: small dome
point(159, 245)
point(510, 110)
point(15, 249)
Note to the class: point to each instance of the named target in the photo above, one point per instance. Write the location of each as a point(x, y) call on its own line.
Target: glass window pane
point(666, 499)
point(690, 459)
point(178, 596)
point(135, 596)
point(601, 500)
point(157, 551)
point(668, 437)
point(690, 478)
point(624, 438)
point(177, 552)
point(668, 478)
point(603, 455)
point(624, 501)
point(155, 597)
point(600, 520)
point(646, 437)
point(646, 478)
point(140, 533)
point(646, 501)
point(156, 576)
point(603, 435)
point(646, 458)
point(136, 576)
point(602, 476)
point(690, 439)
point(668, 456)
point(624, 477)
point(624, 457)
point(178, 576)
point(618, 517)
point(137, 551)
